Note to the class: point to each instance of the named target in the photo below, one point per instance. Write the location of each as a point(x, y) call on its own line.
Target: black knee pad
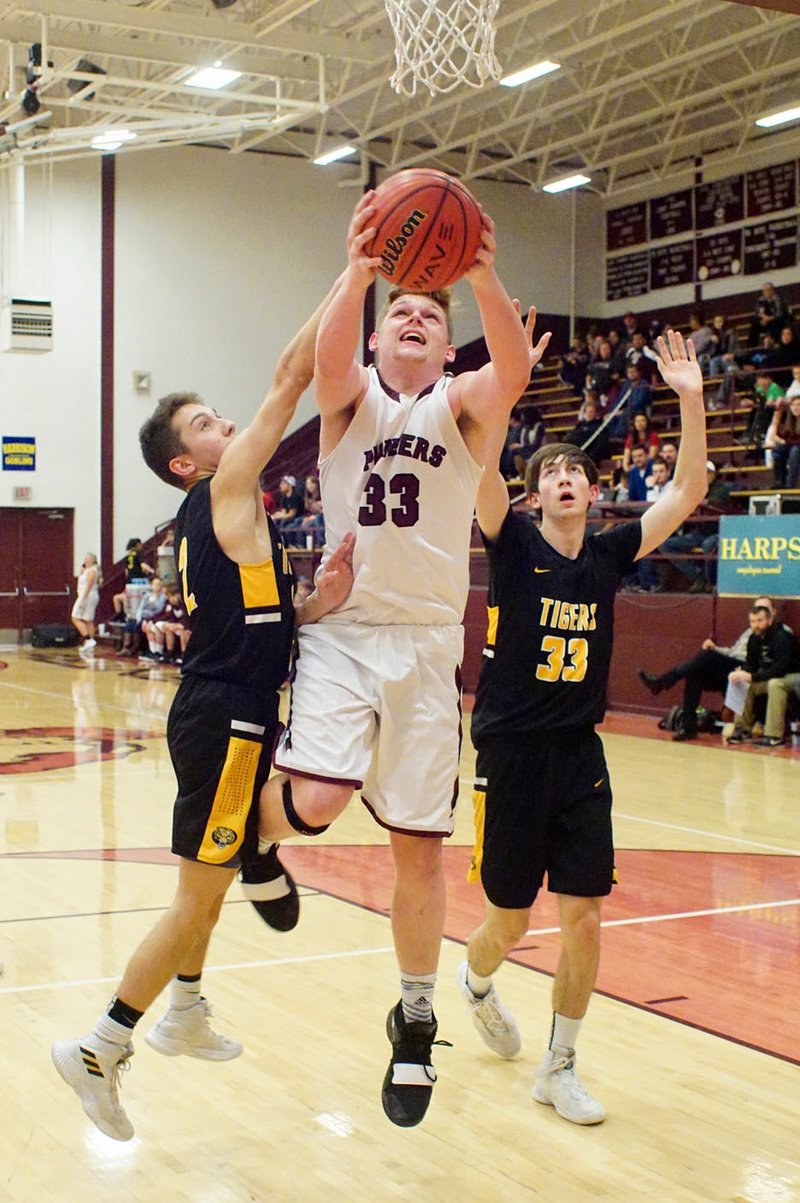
point(293, 816)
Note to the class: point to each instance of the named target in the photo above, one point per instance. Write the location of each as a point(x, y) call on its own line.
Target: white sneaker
point(496, 1024)
point(92, 1068)
point(558, 1085)
point(187, 1031)
point(88, 644)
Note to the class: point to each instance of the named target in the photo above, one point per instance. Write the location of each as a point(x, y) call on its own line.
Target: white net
point(442, 43)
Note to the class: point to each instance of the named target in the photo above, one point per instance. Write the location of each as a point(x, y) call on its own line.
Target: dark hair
point(129, 546)
point(158, 439)
point(441, 297)
point(550, 454)
point(760, 610)
point(659, 459)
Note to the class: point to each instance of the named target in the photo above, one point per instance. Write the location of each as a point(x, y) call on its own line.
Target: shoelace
point(122, 1066)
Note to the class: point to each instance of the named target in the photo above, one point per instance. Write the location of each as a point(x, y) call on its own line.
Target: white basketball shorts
point(380, 709)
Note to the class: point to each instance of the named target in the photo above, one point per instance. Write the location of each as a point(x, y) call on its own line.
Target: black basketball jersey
point(241, 615)
point(551, 625)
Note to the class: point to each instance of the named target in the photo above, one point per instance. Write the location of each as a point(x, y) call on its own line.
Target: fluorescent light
point(212, 78)
point(112, 139)
point(340, 153)
point(570, 181)
point(779, 118)
point(528, 73)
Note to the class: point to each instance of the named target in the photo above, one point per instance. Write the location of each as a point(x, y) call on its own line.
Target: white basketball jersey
point(402, 479)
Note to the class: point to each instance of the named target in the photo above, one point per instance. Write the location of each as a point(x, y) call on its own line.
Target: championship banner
point(759, 554)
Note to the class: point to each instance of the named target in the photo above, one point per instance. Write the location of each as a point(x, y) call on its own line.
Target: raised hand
point(359, 234)
point(535, 352)
point(335, 580)
point(677, 363)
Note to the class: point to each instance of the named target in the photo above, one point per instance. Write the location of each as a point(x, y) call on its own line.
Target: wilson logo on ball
point(394, 247)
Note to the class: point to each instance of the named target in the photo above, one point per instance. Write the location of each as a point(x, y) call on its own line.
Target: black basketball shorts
point(543, 805)
point(220, 738)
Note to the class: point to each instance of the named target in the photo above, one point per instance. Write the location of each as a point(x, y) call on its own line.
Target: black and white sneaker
point(408, 1085)
point(271, 889)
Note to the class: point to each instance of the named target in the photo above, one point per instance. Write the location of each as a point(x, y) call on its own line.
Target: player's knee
point(311, 806)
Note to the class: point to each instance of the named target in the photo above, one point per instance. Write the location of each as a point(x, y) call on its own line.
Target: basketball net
point(442, 43)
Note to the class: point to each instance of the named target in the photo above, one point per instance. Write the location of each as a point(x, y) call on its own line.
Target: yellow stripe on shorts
point(225, 828)
point(493, 615)
point(478, 815)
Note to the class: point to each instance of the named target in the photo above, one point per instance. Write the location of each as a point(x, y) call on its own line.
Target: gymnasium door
point(36, 567)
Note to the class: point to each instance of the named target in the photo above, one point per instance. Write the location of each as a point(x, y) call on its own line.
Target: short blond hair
point(441, 297)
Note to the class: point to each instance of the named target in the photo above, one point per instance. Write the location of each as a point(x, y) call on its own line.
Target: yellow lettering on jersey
point(557, 650)
point(183, 568)
point(259, 584)
point(547, 602)
point(568, 616)
point(493, 614)
point(592, 616)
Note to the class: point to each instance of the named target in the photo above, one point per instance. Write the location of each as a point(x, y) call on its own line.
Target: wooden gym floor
point(692, 1041)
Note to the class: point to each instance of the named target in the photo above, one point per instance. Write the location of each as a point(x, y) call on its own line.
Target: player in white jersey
point(375, 701)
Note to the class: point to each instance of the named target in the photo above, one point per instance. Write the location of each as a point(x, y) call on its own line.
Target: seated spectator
point(150, 608)
point(763, 355)
point(659, 481)
point(602, 373)
point(725, 346)
point(640, 434)
point(771, 667)
point(767, 397)
point(639, 353)
point(709, 669)
point(635, 397)
point(573, 366)
point(630, 328)
point(702, 340)
point(511, 446)
point(87, 601)
point(311, 522)
point(699, 537)
point(290, 503)
point(783, 438)
point(617, 351)
point(588, 434)
point(135, 570)
point(769, 315)
point(787, 354)
point(531, 436)
point(618, 493)
point(669, 453)
point(641, 470)
point(267, 496)
point(165, 558)
point(794, 388)
point(170, 628)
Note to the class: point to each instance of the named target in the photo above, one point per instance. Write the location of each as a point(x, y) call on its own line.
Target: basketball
point(428, 228)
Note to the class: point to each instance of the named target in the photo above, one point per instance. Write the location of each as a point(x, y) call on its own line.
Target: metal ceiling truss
point(645, 86)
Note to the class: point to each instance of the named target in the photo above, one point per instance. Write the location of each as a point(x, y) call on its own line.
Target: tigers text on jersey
point(241, 615)
point(401, 478)
point(551, 626)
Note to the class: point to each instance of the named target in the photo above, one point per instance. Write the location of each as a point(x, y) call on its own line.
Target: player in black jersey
point(543, 798)
point(237, 591)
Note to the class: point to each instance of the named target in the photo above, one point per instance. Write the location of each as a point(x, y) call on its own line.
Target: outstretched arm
point(254, 446)
point(339, 377)
point(677, 362)
point(488, 395)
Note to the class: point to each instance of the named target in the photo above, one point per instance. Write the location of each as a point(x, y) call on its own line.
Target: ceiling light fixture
point(340, 153)
point(212, 78)
point(779, 118)
point(112, 139)
point(569, 181)
point(528, 73)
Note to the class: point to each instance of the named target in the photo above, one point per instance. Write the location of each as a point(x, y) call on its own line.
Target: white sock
point(184, 994)
point(416, 993)
point(264, 845)
point(154, 648)
point(480, 986)
point(111, 1032)
point(564, 1032)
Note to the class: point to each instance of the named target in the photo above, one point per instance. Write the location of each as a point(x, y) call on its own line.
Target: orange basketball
point(428, 229)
